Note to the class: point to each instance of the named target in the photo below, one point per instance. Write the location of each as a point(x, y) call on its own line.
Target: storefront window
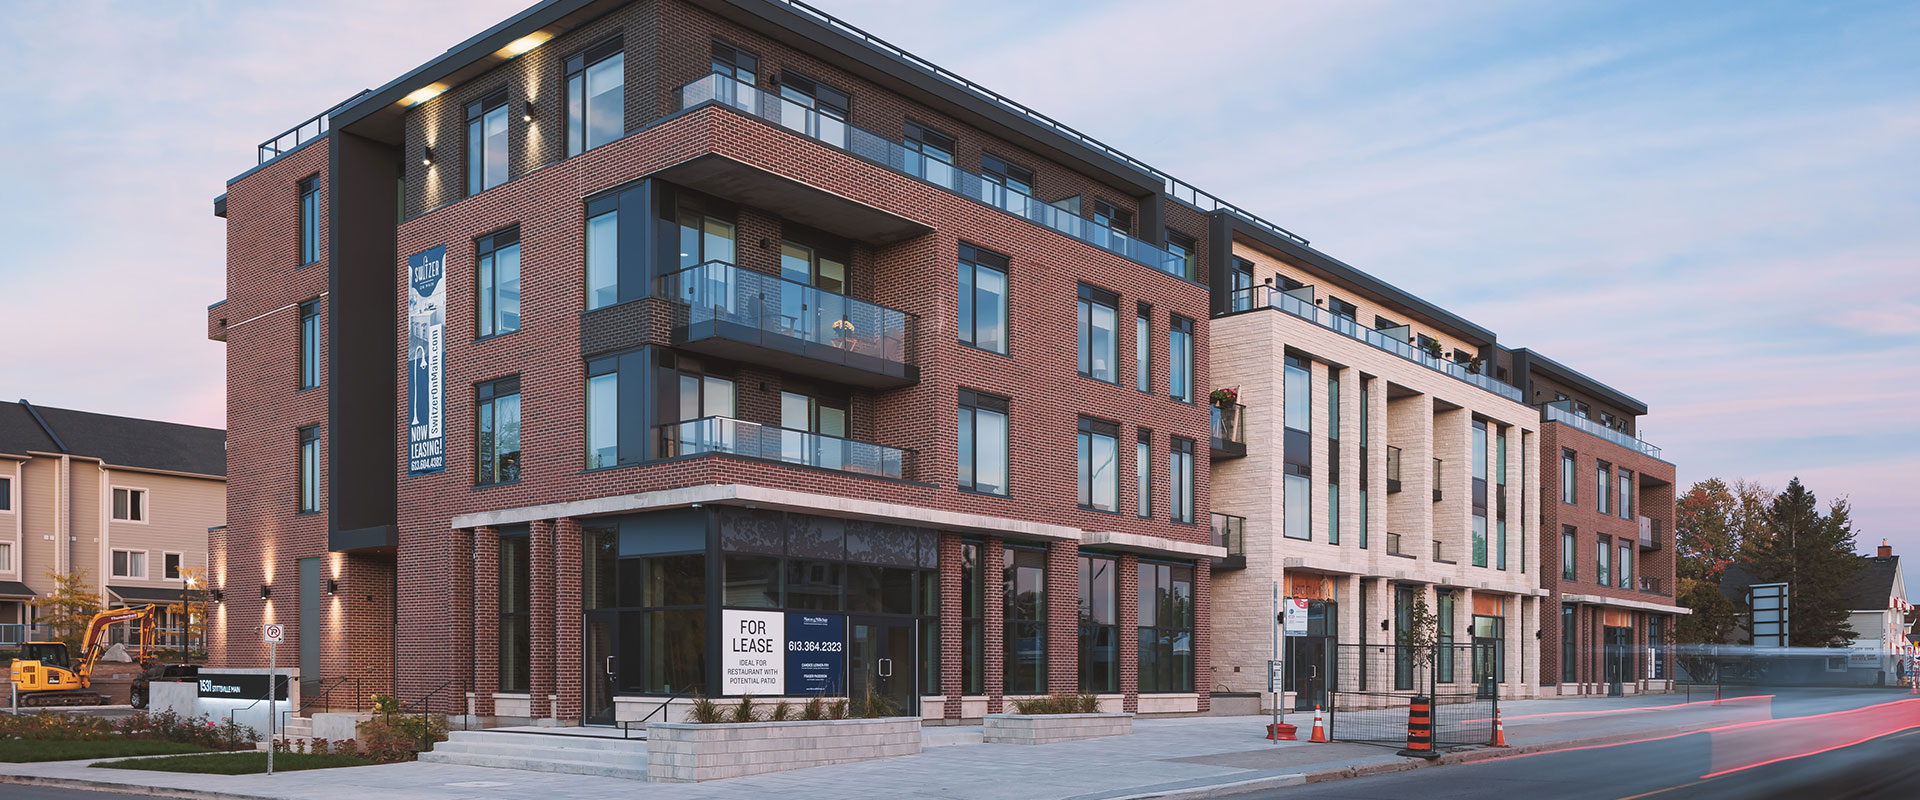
point(972, 620)
point(1165, 597)
point(1024, 581)
point(515, 637)
point(1099, 638)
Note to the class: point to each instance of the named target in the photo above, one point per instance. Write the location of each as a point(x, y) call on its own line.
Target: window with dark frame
point(736, 63)
point(1603, 491)
point(1182, 246)
point(929, 154)
point(497, 432)
point(1602, 561)
point(309, 220)
point(129, 505)
point(1108, 215)
point(973, 623)
point(1180, 472)
point(489, 142)
point(515, 604)
point(1143, 348)
point(1099, 631)
point(1568, 620)
point(603, 413)
point(603, 251)
point(1241, 288)
point(497, 283)
point(596, 81)
point(983, 442)
point(1625, 505)
point(1099, 325)
point(983, 299)
point(309, 469)
point(1006, 184)
point(309, 344)
point(6, 493)
point(1567, 478)
point(1164, 598)
point(1342, 308)
point(170, 566)
point(1569, 553)
point(1024, 653)
point(1180, 358)
point(1099, 464)
point(1143, 473)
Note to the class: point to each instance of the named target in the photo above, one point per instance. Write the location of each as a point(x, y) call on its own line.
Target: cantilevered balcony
point(1557, 411)
point(1649, 533)
point(770, 106)
point(1230, 532)
point(734, 437)
point(768, 320)
point(1229, 437)
point(1393, 469)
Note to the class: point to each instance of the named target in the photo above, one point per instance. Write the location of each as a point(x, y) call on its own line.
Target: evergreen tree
point(1813, 554)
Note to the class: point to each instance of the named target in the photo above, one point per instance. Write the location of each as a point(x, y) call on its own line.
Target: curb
point(124, 788)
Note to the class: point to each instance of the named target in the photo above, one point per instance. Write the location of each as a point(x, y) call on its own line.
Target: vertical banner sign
point(816, 654)
point(426, 360)
point(752, 652)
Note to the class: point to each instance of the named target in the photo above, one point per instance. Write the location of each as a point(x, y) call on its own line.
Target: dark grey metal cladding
point(1525, 361)
point(362, 444)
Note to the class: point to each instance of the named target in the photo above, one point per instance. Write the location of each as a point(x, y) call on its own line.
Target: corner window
point(1165, 605)
point(497, 265)
point(309, 220)
point(1024, 585)
point(1099, 335)
point(983, 299)
point(130, 564)
point(983, 443)
point(735, 63)
point(596, 96)
point(1569, 567)
point(1241, 288)
point(129, 505)
point(1180, 358)
point(603, 252)
point(1099, 469)
point(603, 413)
point(497, 432)
point(1180, 478)
point(309, 469)
point(309, 344)
point(487, 142)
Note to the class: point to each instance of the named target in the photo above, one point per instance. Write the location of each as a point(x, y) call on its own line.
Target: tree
point(1813, 554)
point(1712, 522)
point(67, 610)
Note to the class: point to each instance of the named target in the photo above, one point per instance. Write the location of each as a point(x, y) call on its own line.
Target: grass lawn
point(241, 763)
point(19, 750)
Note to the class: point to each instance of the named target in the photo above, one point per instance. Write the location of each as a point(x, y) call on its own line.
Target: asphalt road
point(1668, 769)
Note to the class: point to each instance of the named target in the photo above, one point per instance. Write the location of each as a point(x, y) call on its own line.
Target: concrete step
point(632, 757)
point(555, 741)
point(534, 760)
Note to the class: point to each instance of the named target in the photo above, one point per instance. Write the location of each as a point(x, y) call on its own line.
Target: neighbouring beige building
point(126, 502)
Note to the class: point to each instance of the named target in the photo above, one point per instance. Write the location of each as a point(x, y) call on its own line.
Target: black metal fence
point(1372, 685)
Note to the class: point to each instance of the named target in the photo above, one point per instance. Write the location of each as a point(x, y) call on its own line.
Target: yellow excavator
point(46, 675)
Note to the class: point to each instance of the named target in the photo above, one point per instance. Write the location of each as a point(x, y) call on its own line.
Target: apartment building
point(729, 331)
point(125, 503)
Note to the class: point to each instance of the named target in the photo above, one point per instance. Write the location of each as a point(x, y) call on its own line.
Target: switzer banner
point(426, 359)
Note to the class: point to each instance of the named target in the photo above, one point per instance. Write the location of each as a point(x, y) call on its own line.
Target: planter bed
point(1050, 728)
point(686, 752)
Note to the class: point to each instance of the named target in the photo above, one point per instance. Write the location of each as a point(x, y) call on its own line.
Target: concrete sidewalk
point(1185, 758)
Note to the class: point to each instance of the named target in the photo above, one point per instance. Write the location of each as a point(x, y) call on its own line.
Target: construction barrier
point(1420, 729)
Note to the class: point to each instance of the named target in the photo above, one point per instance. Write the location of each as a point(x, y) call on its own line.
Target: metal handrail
point(277, 146)
point(426, 708)
point(626, 728)
point(325, 694)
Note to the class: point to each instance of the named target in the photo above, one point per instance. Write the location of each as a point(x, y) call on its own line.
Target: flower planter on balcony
point(1050, 728)
point(689, 752)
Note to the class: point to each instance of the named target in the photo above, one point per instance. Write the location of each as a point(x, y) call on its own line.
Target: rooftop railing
point(1293, 303)
point(736, 437)
point(1557, 411)
point(300, 134)
point(720, 291)
point(837, 133)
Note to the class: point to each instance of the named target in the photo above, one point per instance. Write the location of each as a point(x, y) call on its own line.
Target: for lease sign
point(753, 652)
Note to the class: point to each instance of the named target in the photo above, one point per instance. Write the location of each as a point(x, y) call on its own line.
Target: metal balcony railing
point(1393, 544)
point(729, 436)
point(1291, 302)
point(1228, 425)
point(300, 134)
point(1393, 469)
point(1437, 551)
point(1650, 585)
point(835, 132)
point(1230, 532)
point(719, 291)
point(1557, 411)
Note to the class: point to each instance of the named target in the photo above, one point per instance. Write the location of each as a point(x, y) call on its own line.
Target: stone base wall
point(1050, 728)
point(687, 752)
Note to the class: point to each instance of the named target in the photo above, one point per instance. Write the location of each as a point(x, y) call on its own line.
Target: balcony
point(725, 91)
point(1393, 469)
point(1299, 302)
point(734, 437)
point(1393, 546)
point(1651, 585)
point(1436, 480)
point(768, 320)
point(1229, 438)
point(1230, 532)
point(1437, 552)
point(1649, 533)
point(1557, 411)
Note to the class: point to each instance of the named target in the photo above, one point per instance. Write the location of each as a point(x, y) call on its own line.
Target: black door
point(601, 647)
point(881, 667)
point(1309, 670)
point(1617, 653)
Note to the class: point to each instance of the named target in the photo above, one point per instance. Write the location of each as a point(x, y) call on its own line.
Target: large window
point(309, 344)
point(1180, 476)
point(973, 623)
point(1626, 494)
point(497, 265)
point(1099, 465)
point(516, 639)
point(309, 220)
point(309, 469)
point(1005, 184)
point(487, 142)
point(1180, 357)
point(1099, 636)
point(596, 96)
point(1567, 477)
point(497, 432)
point(983, 442)
point(1143, 348)
point(1099, 334)
point(1657, 642)
point(649, 575)
point(1603, 496)
point(1569, 566)
point(1024, 584)
point(1165, 597)
point(983, 299)
point(603, 252)
point(1602, 558)
point(170, 566)
point(706, 238)
point(1299, 396)
point(129, 505)
point(929, 155)
point(1296, 500)
point(1142, 473)
point(1626, 565)
point(603, 413)
point(1181, 246)
point(130, 564)
point(1443, 654)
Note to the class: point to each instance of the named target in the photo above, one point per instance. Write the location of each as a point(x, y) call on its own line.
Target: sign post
point(273, 635)
point(1274, 684)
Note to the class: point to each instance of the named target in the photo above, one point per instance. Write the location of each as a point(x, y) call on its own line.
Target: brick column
point(1203, 632)
point(993, 660)
point(952, 634)
point(567, 664)
point(486, 619)
point(1063, 617)
point(540, 610)
point(1127, 597)
point(460, 592)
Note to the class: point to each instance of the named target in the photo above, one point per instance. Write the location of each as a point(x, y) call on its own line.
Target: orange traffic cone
point(1319, 726)
point(1499, 731)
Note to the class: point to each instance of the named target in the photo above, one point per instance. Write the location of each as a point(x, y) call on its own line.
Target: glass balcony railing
point(1393, 469)
point(1230, 532)
point(1228, 423)
point(1393, 544)
point(826, 128)
point(1292, 303)
point(839, 327)
point(1557, 411)
point(1651, 585)
point(729, 436)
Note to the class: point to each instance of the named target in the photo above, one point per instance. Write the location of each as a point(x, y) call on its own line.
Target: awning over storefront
point(15, 590)
point(134, 595)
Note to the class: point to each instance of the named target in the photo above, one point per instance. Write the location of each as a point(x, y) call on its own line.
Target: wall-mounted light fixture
point(266, 592)
point(426, 156)
point(526, 110)
point(217, 595)
point(1383, 624)
point(333, 586)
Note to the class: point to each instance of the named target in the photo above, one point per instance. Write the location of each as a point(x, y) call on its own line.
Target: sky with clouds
point(1711, 206)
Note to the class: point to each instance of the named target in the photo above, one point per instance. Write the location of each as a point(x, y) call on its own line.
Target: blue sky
point(1709, 205)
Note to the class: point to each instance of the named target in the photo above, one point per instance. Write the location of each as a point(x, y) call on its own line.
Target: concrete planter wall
point(686, 752)
point(1050, 728)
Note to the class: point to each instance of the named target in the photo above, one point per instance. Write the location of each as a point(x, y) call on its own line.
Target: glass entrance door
point(1309, 668)
point(881, 666)
point(602, 642)
point(1617, 653)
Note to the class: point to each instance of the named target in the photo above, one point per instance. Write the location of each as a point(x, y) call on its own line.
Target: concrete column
point(486, 619)
point(1516, 622)
point(1410, 511)
point(1128, 594)
point(540, 560)
point(952, 632)
point(994, 606)
point(1063, 618)
point(567, 662)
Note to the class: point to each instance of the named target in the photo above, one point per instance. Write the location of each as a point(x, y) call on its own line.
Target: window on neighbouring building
point(497, 267)
point(1180, 467)
point(1099, 465)
point(309, 344)
point(1567, 477)
point(1180, 358)
point(1143, 348)
point(129, 505)
point(1569, 565)
point(983, 299)
point(983, 442)
point(170, 565)
point(1603, 561)
point(515, 581)
point(309, 220)
point(1024, 585)
point(1603, 495)
point(1165, 599)
point(6, 494)
point(487, 142)
point(1099, 326)
point(973, 623)
point(603, 252)
point(1143, 473)
point(497, 432)
point(1181, 246)
point(1099, 634)
point(6, 556)
point(596, 96)
point(309, 469)
point(130, 564)
point(929, 155)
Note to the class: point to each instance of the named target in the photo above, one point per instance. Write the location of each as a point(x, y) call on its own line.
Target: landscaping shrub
point(165, 726)
point(782, 711)
point(743, 711)
point(816, 709)
point(704, 711)
point(400, 737)
point(1058, 704)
